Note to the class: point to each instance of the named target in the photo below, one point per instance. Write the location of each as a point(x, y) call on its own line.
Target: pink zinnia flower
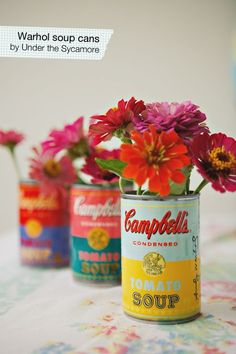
point(10, 138)
point(185, 118)
point(99, 175)
point(215, 158)
point(117, 121)
point(54, 175)
point(70, 138)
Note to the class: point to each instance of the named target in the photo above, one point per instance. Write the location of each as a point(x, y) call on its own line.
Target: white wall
point(160, 50)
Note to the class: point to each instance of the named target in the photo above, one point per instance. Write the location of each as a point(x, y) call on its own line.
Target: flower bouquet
point(94, 207)
point(57, 164)
point(161, 144)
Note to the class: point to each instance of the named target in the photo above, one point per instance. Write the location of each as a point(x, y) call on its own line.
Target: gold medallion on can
point(154, 263)
point(98, 238)
point(33, 228)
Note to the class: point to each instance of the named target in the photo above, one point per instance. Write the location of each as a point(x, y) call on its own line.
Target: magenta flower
point(118, 121)
point(54, 175)
point(215, 158)
point(92, 169)
point(10, 138)
point(185, 118)
point(70, 138)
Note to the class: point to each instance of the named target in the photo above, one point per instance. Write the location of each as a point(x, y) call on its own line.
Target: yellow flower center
point(52, 168)
point(221, 159)
point(115, 109)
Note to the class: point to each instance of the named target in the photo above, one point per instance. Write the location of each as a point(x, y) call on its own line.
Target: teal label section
point(91, 264)
point(169, 227)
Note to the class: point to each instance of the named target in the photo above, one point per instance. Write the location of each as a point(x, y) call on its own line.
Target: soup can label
point(44, 227)
point(160, 258)
point(95, 233)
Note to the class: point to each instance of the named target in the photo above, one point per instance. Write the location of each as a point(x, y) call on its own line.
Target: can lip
point(134, 196)
point(94, 186)
point(28, 181)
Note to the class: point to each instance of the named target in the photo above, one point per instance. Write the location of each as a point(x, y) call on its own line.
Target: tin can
point(160, 258)
point(95, 234)
point(44, 227)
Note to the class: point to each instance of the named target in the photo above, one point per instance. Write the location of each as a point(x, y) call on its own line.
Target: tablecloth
point(45, 311)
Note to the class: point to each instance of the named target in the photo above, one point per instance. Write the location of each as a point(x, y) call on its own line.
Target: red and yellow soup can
point(95, 234)
point(44, 227)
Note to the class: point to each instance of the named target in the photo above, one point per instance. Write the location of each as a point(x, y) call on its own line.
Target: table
point(47, 312)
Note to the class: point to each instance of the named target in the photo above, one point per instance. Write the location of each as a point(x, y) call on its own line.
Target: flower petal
point(164, 190)
point(178, 177)
point(154, 184)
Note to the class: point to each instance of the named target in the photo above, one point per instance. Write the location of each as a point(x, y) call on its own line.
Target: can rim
point(94, 186)
point(28, 181)
point(134, 196)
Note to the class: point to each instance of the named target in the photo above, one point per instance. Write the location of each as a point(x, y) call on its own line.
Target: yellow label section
point(171, 294)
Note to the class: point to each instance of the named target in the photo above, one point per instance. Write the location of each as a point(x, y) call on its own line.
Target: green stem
point(139, 190)
point(121, 185)
point(201, 186)
point(126, 140)
point(79, 179)
point(187, 185)
point(122, 135)
point(16, 165)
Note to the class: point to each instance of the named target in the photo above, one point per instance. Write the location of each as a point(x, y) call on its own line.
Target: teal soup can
point(95, 234)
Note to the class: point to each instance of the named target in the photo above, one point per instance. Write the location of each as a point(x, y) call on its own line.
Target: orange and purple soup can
point(43, 227)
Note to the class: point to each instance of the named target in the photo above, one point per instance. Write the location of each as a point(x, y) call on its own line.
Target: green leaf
point(113, 165)
point(179, 188)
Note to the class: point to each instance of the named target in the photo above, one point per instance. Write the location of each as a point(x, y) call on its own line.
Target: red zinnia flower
point(155, 157)
point(215, 157)
point(117, 121)
point(54, 175)
point(10, 138)
point(98, 174)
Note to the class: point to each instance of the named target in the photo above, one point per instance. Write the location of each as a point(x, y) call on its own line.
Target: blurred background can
point(95, 234)
point(44, 227)
point(160, 258)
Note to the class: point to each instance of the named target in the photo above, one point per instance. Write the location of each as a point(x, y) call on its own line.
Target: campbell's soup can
point(95, 234)
point(44, 227)
point(160, 258)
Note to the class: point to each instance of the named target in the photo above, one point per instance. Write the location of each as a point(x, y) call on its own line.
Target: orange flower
point(157, 157)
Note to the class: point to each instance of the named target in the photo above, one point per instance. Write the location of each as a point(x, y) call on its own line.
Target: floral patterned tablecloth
point(47, 312)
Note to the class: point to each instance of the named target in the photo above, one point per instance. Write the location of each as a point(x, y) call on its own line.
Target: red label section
point(49, 210)
point(95, 209)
